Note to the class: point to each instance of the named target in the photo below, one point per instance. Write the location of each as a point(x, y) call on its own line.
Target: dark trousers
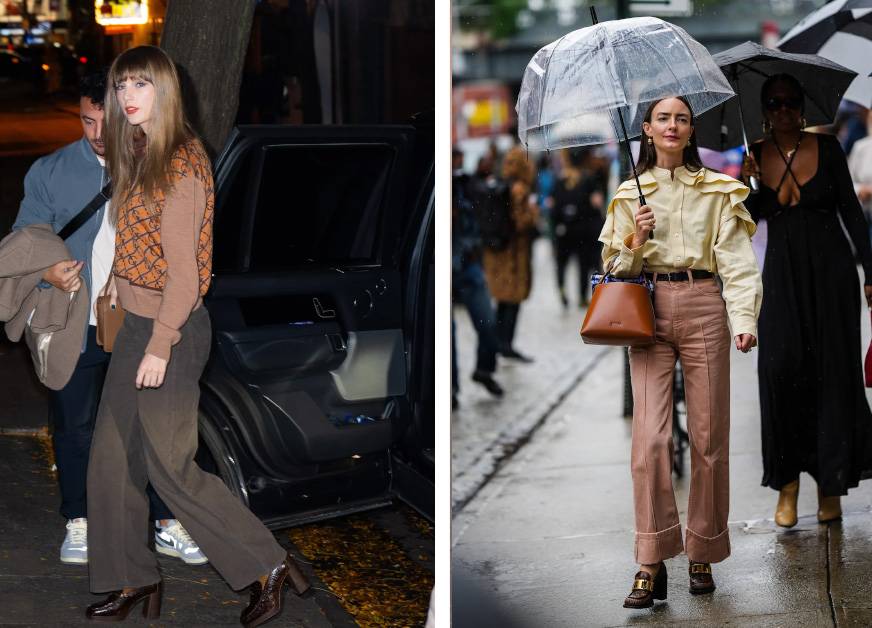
point(151, 435)
point(471, 289)
point(507, 321)
point(73, 412)
point(588, 263)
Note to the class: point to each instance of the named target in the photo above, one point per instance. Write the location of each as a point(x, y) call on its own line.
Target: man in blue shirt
point(56, 188)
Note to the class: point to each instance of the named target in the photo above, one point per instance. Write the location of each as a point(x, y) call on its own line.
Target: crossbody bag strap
point(89, 210)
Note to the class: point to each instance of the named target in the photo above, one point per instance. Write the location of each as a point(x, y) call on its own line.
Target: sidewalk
point(550, 535)
point(484, 429)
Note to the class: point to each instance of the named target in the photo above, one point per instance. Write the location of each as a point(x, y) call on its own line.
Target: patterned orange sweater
point(163, 253)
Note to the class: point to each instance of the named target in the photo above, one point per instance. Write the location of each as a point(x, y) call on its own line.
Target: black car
point(318, 396)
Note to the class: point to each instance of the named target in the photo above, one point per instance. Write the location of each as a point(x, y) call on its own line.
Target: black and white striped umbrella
point(840, 31)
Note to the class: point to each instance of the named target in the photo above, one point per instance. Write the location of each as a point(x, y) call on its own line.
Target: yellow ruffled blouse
point(702, 224)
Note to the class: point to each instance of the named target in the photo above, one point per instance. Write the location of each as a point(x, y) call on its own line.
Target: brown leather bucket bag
point(620, 313)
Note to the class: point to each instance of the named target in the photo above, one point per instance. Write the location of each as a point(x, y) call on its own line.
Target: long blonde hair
point(133, 167)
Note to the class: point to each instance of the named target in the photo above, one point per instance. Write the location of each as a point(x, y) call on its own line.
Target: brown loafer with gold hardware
point(118, 605)
point(701, 580)
point(646, 589)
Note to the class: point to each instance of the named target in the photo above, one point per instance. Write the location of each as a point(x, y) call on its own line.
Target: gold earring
point(650, 141)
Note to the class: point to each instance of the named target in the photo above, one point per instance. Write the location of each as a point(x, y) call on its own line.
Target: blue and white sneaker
point(74, 550)
point(174, 540)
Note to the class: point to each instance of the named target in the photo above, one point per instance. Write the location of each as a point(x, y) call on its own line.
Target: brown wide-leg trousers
point(691, 324)
point(151, 435)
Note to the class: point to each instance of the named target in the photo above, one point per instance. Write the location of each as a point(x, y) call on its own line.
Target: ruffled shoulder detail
point(628, 189)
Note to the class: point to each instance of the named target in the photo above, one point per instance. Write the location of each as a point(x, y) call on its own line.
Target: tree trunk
point(209, 46)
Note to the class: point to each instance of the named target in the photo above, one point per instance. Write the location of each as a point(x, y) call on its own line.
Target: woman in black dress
point(815, 417)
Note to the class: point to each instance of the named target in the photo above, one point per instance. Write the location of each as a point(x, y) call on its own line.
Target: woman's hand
point(151, 372)
point(750, 167)
point(868, 292)
point(744, 342)
point(645, 223)
point(110, 290)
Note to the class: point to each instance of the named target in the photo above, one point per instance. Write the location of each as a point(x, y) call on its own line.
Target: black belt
point(679, 276)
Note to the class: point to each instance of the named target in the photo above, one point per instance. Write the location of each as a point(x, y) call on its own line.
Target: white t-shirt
point(101, 256)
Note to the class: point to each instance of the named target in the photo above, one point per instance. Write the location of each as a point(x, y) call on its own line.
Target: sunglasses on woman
point(774, 104)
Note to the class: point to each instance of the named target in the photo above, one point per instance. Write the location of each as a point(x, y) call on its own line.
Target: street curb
point(520, 428)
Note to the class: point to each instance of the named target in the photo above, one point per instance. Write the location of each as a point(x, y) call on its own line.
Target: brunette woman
point(814, 413)
point(147, 422)
point(509, 270)
point(705, 275)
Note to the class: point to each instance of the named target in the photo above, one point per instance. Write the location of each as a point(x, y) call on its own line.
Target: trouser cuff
point(704, 549)
point(652, 547)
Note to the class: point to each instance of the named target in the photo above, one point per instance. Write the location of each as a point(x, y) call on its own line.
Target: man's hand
point(65, 275)
point(744, 342)
point(868, 292)
point(151, 372)
point(864, 193)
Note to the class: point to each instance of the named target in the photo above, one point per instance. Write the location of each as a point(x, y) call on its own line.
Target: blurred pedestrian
point(469, 284)
point(814, 413)
point(703, 232)
point(577, 203)
point(57, 187)
point(147, 420)
point(509, 269)
point(545, 182)
point(860, 165)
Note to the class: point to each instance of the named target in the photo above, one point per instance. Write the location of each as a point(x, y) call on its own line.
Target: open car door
point(314, 252)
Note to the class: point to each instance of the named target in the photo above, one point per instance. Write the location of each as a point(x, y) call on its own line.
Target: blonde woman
point(705, 276)
point(147, 422)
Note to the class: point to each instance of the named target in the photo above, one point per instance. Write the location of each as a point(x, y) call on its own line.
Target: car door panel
point(318, 347)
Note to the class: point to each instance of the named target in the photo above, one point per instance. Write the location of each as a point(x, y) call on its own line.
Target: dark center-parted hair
point(137, 162)
point(648, 152)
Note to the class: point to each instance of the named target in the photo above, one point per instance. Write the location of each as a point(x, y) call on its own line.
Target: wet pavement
point(547, 537)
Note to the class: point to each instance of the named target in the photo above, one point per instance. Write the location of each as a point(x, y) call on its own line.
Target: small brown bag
point(620, 313)
point(109, 319)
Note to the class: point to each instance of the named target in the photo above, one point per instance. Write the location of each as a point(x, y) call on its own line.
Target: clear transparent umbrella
point(577, 90)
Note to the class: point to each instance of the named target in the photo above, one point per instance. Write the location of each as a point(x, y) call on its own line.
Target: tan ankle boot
point(785, 511)
point(829, 508)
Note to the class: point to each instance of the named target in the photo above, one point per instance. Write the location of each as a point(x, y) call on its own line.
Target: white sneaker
point(74, 549)
point(174, 540)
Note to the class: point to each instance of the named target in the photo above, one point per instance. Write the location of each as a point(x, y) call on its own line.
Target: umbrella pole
point(752, 181)
point(595, 20)
point(632, 161)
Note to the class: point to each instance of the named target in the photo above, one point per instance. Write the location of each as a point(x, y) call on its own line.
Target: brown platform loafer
point(266, 598)
point(646, 590)
point(701, 580)
point(118, 605)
